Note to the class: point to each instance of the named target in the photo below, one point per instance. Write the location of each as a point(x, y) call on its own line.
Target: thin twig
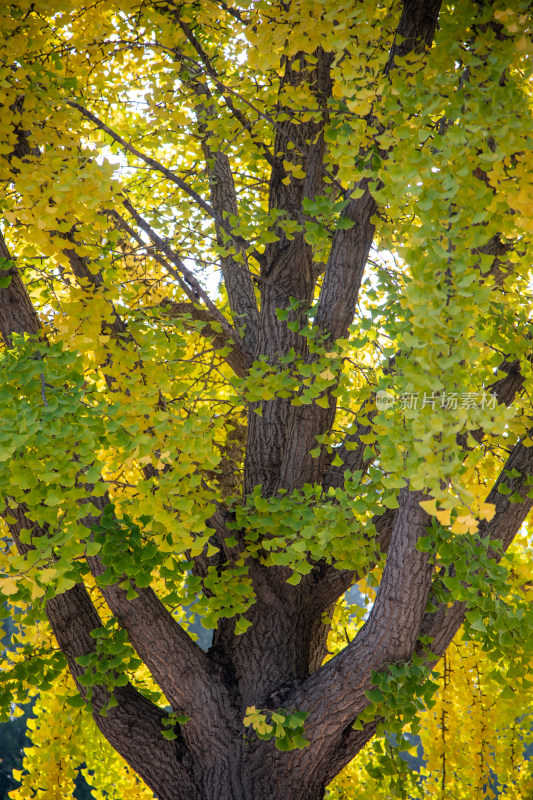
point(182, 274)
point(171, 176)
point(43, 389)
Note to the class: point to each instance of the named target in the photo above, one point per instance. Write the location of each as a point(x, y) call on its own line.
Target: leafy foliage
point(284, 725)
point(229, 231)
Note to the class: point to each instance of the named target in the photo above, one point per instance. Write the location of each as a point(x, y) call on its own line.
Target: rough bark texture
point(17, 313)
point(277, 663)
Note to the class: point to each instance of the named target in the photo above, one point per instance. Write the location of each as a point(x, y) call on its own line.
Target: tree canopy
point(265, 309)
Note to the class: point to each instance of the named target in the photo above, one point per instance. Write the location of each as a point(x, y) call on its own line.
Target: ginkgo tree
point(265, 304)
